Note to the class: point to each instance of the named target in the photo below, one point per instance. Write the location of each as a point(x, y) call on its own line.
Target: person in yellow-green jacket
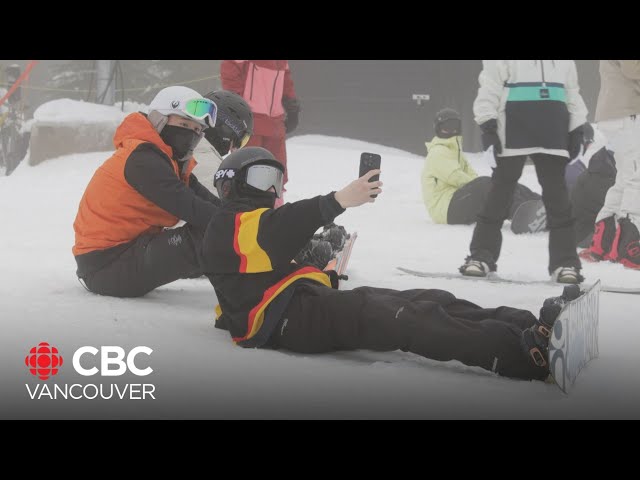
point(452, 191)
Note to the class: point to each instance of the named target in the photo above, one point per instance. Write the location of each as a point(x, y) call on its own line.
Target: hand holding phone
point(368, 162)
point(358, 192)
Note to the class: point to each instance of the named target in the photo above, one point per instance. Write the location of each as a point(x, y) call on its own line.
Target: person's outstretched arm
point(281, 233)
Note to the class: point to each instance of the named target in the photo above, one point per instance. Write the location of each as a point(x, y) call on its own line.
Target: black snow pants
point(431, 323)
point(487, 237)
point(468, 201)
point(151, 261)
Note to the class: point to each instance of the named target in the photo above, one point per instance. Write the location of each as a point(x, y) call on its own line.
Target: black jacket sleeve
point(283, 232)
point(202, 191)
point(149, 172)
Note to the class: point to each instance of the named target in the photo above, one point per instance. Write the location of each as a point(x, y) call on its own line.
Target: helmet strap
point(157, 120)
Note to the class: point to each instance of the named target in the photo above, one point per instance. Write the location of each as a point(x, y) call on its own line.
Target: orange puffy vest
point(111, 211)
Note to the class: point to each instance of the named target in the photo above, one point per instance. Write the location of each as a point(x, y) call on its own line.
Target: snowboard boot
point(317, 253)
point(535, 340)
point(629, 244)
point(566, 275)
point(474, 268)
point(604, 244)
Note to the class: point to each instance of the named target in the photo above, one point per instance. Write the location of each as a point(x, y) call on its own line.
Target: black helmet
point(234, 122)
point(237, 179)
point(447, 123)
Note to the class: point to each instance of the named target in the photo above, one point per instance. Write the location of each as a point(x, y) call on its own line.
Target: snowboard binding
point(536, 339)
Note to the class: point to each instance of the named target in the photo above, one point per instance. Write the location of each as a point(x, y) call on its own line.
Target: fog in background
point(370, 100)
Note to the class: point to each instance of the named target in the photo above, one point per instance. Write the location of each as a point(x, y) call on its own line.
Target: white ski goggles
point(263, 177)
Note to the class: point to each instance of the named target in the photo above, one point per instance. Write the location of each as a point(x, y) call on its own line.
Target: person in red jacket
point(268, 88)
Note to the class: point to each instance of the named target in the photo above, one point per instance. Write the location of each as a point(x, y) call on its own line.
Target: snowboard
point(574, 338)
point(341, 260)
point(529, 217)
point(493, 277)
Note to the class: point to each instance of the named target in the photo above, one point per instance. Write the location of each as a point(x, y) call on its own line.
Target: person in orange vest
point(268, 88)
point(124, 246)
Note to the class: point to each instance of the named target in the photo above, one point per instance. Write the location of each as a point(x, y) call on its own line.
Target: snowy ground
point(199, 373)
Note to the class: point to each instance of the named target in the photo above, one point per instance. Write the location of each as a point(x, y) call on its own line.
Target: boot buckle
point(537, 356)
point(544, 331)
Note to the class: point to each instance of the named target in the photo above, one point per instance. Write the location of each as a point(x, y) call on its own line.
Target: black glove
point(576, 140)
point(292, 107)
point(490, 136)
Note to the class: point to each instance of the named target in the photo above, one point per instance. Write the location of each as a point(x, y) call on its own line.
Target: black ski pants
point(431, 323)
point(487, 236)
point(151, 261)
point(468, 201)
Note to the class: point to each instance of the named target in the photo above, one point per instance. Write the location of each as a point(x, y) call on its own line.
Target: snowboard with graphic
point(574, 338)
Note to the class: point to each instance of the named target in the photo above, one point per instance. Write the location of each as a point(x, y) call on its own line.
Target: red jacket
point(263, 84)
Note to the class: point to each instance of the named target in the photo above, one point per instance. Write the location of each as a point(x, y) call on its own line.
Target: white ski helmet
point(173, 101)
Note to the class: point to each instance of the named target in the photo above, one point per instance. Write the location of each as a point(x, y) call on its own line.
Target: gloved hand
point(292, 108)
point(576, 140)
point(490, 136)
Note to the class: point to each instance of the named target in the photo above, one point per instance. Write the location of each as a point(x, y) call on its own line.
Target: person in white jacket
point(529, 108)
point(616, 237)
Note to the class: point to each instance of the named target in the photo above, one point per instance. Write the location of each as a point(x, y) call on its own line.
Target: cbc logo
point(44, 361)
point(106, 360)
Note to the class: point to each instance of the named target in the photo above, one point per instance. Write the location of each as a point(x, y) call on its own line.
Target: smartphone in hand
point(370, 161)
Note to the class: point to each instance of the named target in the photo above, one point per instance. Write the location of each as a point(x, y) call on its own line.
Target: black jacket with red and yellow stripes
point(248, 254)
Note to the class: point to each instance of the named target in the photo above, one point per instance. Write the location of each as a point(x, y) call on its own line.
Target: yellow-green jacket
point(445, 170)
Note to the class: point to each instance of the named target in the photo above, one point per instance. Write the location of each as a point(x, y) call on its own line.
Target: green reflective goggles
point(200, 108)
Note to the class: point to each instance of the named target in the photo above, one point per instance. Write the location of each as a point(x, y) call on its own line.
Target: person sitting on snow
point(451, 189)
point(269, 301)
point(123, 247)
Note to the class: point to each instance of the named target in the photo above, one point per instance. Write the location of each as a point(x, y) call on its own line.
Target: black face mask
point(217, 141)
point(181, 140)
point(249, 195)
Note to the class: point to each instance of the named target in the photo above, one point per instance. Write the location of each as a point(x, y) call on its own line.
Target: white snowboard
point(574, 339)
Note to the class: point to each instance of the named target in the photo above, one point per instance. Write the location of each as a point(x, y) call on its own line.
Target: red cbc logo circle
point(43, 361)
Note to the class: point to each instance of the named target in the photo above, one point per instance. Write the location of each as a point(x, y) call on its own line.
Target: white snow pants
point(623, 198)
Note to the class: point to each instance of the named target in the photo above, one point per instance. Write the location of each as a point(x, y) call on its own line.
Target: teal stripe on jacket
point(528, 93)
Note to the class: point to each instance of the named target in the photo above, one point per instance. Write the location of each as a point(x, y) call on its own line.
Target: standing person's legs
point(256, 141)
point(628, 141)
point(417, 321)
point(623, 139)
point(487, 237)
point(628, 247)
point(152, 261)
point(622, 135)
point(560, 221)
